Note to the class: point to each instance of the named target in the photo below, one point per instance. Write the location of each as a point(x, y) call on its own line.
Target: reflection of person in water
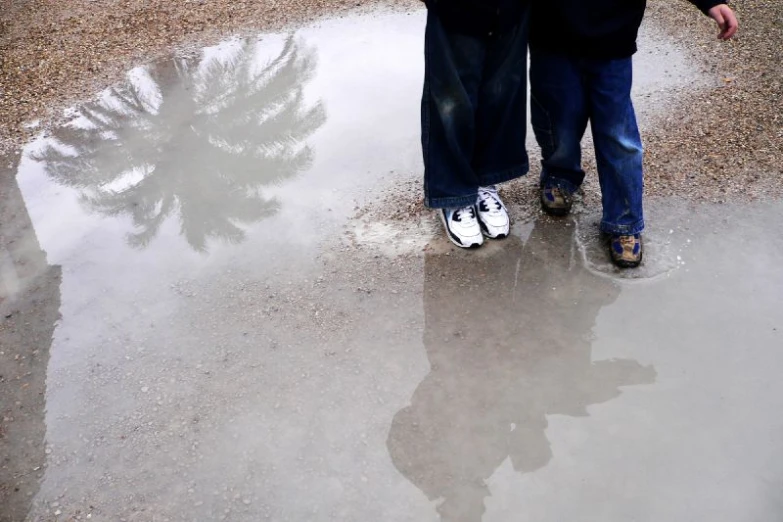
point(29, 310)
point(508, 341)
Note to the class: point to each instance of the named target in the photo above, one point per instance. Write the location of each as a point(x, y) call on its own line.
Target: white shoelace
point(491, 200)
point(465, 215)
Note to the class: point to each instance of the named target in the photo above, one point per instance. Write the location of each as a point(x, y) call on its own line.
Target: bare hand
point(724, 17)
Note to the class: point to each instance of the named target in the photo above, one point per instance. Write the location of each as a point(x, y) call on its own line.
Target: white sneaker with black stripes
point(462, 226)
point(492, 215)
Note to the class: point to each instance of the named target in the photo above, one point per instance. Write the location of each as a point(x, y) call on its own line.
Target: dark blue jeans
point(473, 112)
point(568, 92)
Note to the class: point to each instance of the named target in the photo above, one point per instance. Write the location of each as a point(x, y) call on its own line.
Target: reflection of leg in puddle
point(29, 311)
point(507, 337)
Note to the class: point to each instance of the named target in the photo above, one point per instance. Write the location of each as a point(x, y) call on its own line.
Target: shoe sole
point(485, 232)
point(619, 263)
point(489, 236)
point(452, 237)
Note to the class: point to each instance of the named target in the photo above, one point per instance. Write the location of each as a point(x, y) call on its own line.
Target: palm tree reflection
point(195, 138)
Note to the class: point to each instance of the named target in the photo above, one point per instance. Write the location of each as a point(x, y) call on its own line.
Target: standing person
point(580, 71)
point(474, 112)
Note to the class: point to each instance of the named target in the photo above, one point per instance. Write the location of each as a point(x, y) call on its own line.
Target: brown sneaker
point(556, 201)
point(627, 251)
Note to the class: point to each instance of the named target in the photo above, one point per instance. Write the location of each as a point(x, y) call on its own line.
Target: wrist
point(708, 5)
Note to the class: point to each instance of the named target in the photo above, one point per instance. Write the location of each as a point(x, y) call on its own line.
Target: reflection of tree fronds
point(202, 139)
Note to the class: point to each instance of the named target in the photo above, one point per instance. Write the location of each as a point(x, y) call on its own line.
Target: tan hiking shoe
point(556, 201)
point(627, 251)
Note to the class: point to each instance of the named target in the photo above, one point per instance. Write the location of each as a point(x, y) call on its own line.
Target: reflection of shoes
point(627, 251)
point(462, 226)
point(492, 214)
point(556, 201)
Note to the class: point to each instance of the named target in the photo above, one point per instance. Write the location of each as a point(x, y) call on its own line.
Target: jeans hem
point(548, 180)
point(451, 202)
point(486, 180)
point(622, 230)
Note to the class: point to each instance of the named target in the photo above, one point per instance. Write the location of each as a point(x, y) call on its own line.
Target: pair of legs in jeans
point(474, 123)
point(566, 94)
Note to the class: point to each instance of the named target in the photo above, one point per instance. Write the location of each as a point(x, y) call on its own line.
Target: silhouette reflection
point(507, 334)
point(29, 311)
point(195, 138)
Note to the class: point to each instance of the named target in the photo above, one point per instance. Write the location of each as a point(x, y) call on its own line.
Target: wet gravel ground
point(719, 143)
point(723, 142)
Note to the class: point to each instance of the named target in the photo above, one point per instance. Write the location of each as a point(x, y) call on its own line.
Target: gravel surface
point(724, 142)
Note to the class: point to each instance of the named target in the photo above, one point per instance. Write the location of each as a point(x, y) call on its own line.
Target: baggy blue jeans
point(473, 112)
point(568, 92)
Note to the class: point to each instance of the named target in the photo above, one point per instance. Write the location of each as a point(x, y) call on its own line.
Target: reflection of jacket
point(479, 17)
point(507, 334)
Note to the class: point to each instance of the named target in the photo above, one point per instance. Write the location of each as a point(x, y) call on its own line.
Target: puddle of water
point(505, 330)
point(665, 244)
point(204, 363)
point(243, 145)
point(244, 159)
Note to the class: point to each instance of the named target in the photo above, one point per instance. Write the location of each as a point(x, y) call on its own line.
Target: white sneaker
point(492, 215)
point(462, 226)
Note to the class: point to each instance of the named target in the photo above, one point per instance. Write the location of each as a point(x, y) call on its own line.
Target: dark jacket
point(487, 18)
point(604, 29)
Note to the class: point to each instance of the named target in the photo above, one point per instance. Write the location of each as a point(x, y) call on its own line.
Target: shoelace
point(465, 212)
point(557, 192)
point(491, 201)
point(628, 242)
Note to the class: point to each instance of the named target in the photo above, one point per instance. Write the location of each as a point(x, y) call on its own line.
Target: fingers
point(730, 24)
point(717, 15)
point(726, 20)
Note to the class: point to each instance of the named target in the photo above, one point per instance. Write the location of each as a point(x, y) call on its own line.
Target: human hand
point(724, 17)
